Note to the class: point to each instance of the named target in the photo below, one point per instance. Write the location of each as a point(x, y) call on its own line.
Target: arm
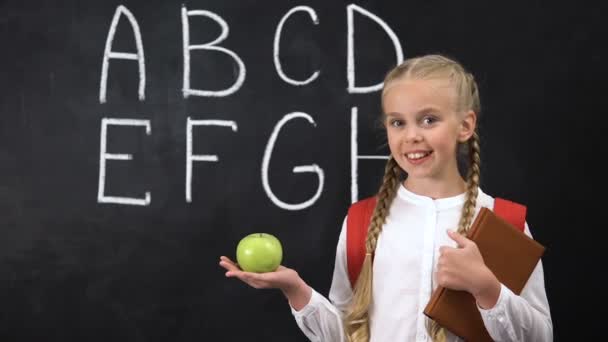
point(298, 294)
point(525, 317)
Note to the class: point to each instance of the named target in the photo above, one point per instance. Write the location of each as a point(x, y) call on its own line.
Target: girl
point(430, 110)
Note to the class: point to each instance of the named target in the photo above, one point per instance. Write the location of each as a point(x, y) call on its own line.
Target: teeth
point(417, 155)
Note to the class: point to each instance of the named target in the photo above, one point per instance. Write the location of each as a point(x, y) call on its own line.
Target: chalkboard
point(141, 140)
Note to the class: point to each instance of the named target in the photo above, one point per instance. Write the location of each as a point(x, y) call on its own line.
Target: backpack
point(360, 214)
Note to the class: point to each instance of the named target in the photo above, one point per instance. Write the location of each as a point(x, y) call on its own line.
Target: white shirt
point(405, 257)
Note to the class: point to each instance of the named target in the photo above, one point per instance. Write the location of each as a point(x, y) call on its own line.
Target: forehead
point(412, 95)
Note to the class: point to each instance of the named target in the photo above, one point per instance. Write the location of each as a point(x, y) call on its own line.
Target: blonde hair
point(356, 319)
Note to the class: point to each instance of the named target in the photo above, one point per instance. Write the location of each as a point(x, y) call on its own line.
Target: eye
point(396, 123)
point(428, 120)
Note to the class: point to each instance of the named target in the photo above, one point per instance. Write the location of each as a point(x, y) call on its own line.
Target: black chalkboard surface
point(141, 140)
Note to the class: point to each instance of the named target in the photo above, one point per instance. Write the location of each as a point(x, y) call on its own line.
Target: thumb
point(460, 239)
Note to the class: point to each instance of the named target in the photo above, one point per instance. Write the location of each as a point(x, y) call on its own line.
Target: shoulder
point(512, 211)
point(360, 213)
point(488, 201)
point(362, 204)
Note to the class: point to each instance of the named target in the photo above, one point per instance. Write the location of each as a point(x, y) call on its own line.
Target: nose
point(412, 134)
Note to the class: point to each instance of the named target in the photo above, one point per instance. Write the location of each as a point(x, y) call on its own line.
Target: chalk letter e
point(103, 156)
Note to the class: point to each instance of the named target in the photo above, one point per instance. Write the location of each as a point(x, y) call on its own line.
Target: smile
point(417, 157)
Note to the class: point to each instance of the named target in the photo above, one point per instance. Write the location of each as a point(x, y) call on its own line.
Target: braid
point(468, 210)
point(356, 320)
point(437, 332)
point(386, 194)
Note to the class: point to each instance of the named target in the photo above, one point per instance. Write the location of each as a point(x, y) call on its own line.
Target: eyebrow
point(429, 109)
point(421, 111)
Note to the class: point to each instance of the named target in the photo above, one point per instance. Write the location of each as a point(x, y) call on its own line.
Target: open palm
point(282, 278)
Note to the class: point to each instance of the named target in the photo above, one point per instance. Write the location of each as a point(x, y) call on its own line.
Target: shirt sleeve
point(321, 318)
point(522, 318)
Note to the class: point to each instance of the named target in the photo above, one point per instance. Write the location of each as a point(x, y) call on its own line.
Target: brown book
point(508, 252)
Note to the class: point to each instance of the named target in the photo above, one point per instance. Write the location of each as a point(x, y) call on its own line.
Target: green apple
point(259, 253)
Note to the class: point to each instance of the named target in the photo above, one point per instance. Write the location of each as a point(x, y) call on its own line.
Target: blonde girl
point(416, 238)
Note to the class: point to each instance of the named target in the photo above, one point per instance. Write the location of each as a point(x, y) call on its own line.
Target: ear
point(467, 126)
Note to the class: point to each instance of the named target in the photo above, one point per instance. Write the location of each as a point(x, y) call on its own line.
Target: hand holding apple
point(286, 279)
point(259, 256)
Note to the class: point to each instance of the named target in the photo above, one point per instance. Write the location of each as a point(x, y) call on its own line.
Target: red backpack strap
point(512, 212)
point(357, 223)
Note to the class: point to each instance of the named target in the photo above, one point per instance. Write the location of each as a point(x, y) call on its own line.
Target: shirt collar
point(438, 204)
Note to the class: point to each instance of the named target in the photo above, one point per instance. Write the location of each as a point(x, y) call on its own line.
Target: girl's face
point(424, 129)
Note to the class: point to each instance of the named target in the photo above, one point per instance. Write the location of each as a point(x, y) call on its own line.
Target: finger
point(225, 258)
point(444, 249)
point(461, 240)
point(443, 280)
point(228, 264)
point(440, 265)
point(237, 273)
